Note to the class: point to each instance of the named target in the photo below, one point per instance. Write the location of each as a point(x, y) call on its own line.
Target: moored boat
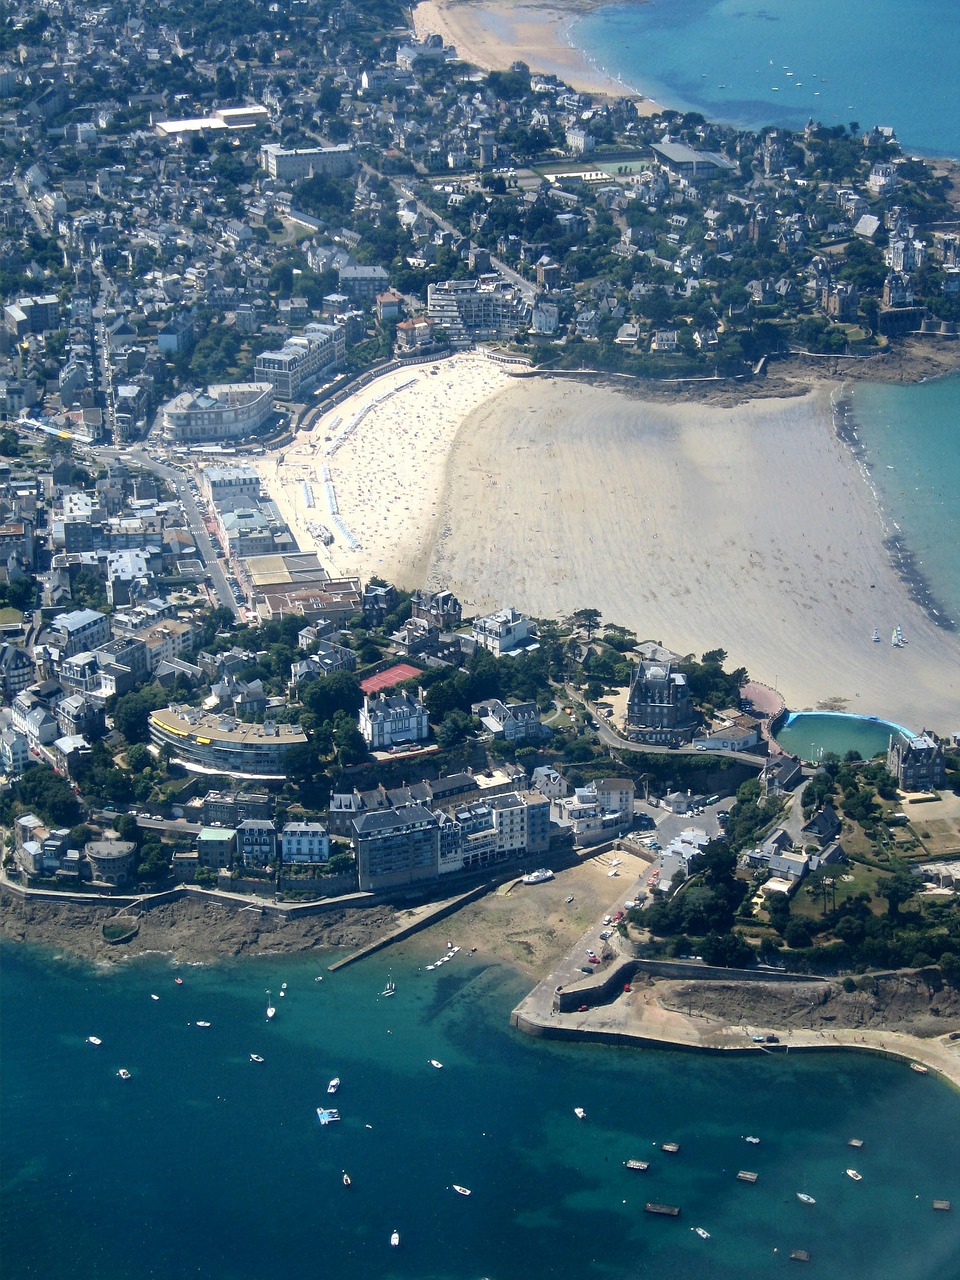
point(154, 997)
point(123, 1073)
point(540, 876)
point(435, 1063)
point(639, 1166)
point(579, 1112)
point(664, 1210)
point(852, 1173)
point(804, 1198)
point(752, 1140)
point(701, 1232)
point(346, 1178)
point(94, 1040)
point(327, 1115)
point(203, 1024)
point(461, 1191)
point(334, 1085)
point(255, 1057)
point(395, 1238)
point(919, 1068)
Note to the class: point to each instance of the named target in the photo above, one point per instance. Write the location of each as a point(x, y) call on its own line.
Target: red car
point(593, 959)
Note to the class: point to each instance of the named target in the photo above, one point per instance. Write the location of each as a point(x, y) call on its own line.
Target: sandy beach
point(495, 33)
point(386, 462)
point(749, 529)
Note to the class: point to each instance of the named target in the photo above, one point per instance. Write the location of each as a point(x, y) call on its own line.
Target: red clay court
point(387, 679)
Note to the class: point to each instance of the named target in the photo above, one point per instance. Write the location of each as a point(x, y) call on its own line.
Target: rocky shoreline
point(191, 929)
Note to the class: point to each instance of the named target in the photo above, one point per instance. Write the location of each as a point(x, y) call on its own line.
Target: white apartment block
point(302, 162)
point(81, 629)
point(302, 361)
point(472, 311)
point(504, 631)
point(229, 411)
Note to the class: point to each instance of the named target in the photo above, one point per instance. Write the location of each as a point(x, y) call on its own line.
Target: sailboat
point(271, 1010)
point(389, 989)
point(897, 638)
point(876, 636)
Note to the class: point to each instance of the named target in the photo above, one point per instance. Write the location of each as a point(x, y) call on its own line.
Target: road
point(406, 193)
point(177, 481)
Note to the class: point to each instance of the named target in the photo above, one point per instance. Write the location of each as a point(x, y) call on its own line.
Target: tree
point(206, 877)
point(454, 730)
point(589, 620)
point(897, 890)
point(351, 747)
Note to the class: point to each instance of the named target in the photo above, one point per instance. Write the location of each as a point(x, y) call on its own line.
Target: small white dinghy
point(395, 1238)
point(461, 1191)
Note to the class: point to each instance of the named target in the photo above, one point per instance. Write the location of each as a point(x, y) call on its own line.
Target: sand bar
point(749, 529)
point(385, 451)
point(495, 33)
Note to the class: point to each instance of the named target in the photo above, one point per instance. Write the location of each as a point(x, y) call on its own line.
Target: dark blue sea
point(890, 62)
point(205, 1163)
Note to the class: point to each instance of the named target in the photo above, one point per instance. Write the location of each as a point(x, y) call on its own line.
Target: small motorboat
point(852, 1173)
point(94, 1040)
point(753, 1141)
point(178, 981)
point(395, 1238)
point(461, 1191)
point(255, 1057)
point(346, 1178)
point(334, 1085)
point(804, 1198)
point(703, 1234)
point(123, 1073)
point(919, 1068)
point(579, 1112)
point(153, 997)
point(435, 1063)
point(203, 1024)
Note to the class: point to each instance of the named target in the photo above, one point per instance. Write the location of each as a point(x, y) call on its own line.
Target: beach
point(386, 462)
point(750, 528)
point(496, 33)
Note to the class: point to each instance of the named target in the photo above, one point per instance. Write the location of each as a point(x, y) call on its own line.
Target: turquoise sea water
point(207, 1164)
point(911, 438)
point(811, 734)
point(889, 62)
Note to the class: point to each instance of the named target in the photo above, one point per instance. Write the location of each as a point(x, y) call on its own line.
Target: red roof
point(387, 679)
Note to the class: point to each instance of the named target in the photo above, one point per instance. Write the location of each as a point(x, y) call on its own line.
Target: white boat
point(346, 1178)
point(919, 1068)
point(271, 1012)
point(612, 873)
point(852, 1173)
point(203, 1024)
point(753, 1141)
point(94, 1040)
point(153, 997)
point(804, 1198)
point(461, 1191)
point(579, 1112)
point(123, 1073)
point(541, 876)
point(255, 1057)
point(334, 1085)
point(704, 1235)
point(876, 636)
point(395, 1238)
point(327, 1115)
point(389, 989)
point(435, 1063)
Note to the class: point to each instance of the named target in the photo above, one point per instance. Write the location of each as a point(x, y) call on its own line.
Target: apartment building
point(227, 411)
point(389, 719)
point(222, 744)
point(304, 842)
point(302, 361)
point(396, 848)
point(471, 311)
point(302, 162)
